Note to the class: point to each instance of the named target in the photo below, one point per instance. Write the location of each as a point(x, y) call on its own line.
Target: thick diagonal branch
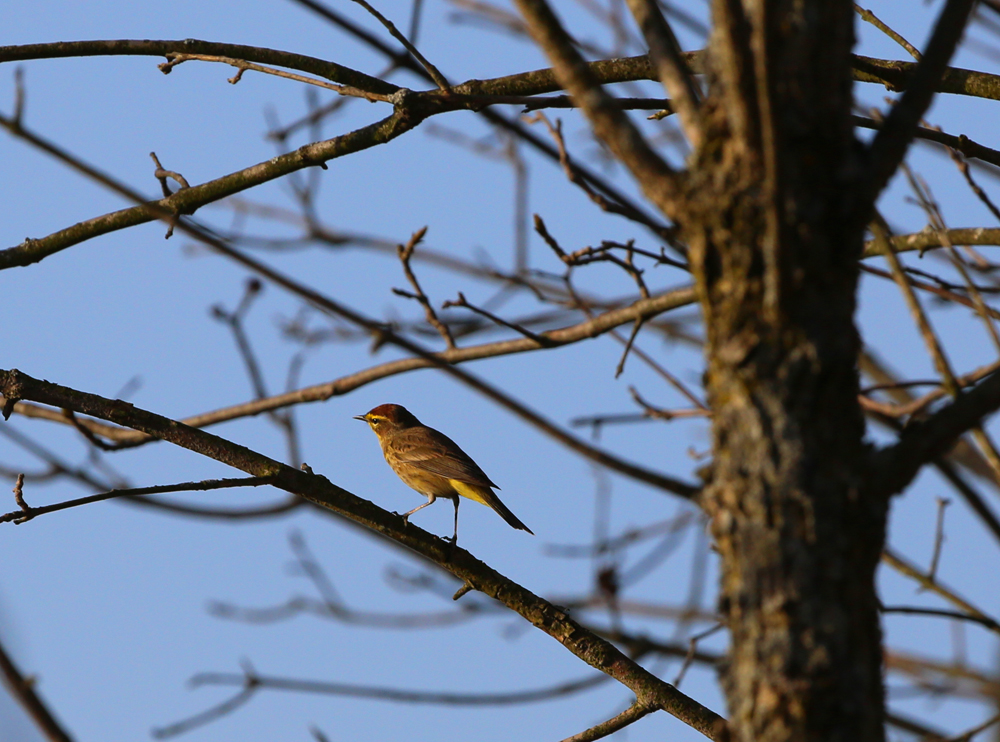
point(665, 54)
point(656, 178)
point(893, 139)
point(894, 467)
point(599, 653)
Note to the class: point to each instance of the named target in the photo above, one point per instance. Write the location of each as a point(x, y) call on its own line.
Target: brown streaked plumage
point(432, 463)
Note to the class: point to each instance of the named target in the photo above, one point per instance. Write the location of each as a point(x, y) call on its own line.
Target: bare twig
point(242, 65)
point(433, 71)
point(405, 253)
point(929, 240)
point(588, 255)
point(574, 175)
point(656, 178)
point(598, 421)
point(188, 200)
point(934, 346)
point(659, 369)
point(234, 320)
point(659, 413)
point(967, 147)
point(19, 97)
point(933, 289)
point(161, 175)
point(969, 734)
point(332, 607)
point(894, 137)
point(402, 695)
point(693, 648)
point(27, 513)
point(936, 221)
point(591, 328)
point(919, 316)
point(938, 537)
point(537, 103)
point(986, 621)
point(914, 727)
point(215, 712)
point(616, 723)
point(250, 683)
point(963, 166)
point(630, 537)
point(895, 466)
point(986, 444)
point(972, 498)
point(636, 326)
point(672, 69)
point(23, 690)
point(902, 566)
point(57, 466)
point(461, 301)
point(869, 17)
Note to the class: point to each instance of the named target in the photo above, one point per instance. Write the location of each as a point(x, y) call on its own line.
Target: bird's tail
point(489, 498)
point(504, 511)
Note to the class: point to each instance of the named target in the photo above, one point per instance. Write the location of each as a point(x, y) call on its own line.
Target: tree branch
point(656, 178)
point(898, 76)
point(401, 695)
point(597, 652)
point(641, 309)
point(162, 47)
point(528, 83)
point(606, 728)
point(443, 360)
point(665, 53)
point(893, 139)
point(895, 466)
point(189, 200)
point(735, 66)
point(27, 513)
point(960, 143)
point(23, 689)
point(929, 239)
point(432, 71)
point(378, 330)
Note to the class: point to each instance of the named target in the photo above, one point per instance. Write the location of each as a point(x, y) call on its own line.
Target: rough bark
point(775, 237)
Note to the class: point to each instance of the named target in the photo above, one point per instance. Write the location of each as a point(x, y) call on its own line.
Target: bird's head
point(388, 417)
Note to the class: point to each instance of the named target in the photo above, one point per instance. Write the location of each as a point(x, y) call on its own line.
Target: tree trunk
point(775, 236)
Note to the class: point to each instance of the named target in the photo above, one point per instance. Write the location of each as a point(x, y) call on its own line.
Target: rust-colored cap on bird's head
point(394, 414)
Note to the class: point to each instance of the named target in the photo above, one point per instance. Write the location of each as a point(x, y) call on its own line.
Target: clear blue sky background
point(106, 604)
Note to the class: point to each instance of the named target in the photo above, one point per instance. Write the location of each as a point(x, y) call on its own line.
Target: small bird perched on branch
point(432, 463)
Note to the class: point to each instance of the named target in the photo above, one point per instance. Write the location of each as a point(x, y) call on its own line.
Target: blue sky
point(106, 604)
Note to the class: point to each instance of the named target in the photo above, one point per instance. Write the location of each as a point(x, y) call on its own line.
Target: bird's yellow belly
point(468, 490)
point(428, 484)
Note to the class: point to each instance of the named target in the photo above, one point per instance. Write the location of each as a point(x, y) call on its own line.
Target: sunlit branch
point(471, 572)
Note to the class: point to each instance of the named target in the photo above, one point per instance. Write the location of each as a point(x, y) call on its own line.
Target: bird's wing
point(439, 454)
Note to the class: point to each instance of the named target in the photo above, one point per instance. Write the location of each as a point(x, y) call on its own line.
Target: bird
point(432, 463)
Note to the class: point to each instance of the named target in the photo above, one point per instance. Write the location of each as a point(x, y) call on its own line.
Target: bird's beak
point(362, 418)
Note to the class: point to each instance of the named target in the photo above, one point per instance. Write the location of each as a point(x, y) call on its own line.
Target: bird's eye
point(374, 421)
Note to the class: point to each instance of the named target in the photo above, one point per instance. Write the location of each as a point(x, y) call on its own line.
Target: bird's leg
point(406, 515)
point(454, 538)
